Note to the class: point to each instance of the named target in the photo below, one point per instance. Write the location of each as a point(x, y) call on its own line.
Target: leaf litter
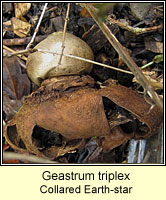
point(114, 105)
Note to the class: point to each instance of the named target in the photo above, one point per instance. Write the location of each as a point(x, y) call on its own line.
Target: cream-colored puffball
point(45, 65)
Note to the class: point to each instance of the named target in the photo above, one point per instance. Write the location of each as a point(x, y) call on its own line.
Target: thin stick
point(22, 41)
point(147, 65)
point(86, 60)
point(27, 157)
point(126, 57)
point(64, 33)
point(37, 27)
point(67, 55)
point(15, 53)
point(137, 30)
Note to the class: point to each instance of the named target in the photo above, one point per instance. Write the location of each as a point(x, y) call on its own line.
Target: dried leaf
point(20, 28)
point(140, 10)
point(10, 106)
point(152, 45)
point(21, 9)
point(7, 26)
point(15, 86)
point(7, 8)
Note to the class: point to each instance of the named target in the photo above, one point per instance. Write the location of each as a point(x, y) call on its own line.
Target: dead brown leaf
point(7, 26)
point(152, 45)
point(15, 85)
point(20, 28)
point(21, 9)
point(7, 8)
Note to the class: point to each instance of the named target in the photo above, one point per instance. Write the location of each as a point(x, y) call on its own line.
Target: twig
point(64, 33)
point(137, 30)
point(147, 65)
point(52, 9)
point(37, 27)
point(126, 57)
point(27, 157)
point(15, 53)
point(67, 55)
point(95, 153)
point(18, 52)
point(86, 60)
point(22, 41)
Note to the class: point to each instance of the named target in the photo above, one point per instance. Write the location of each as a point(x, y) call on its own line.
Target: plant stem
point(64, 33)
point(37, 27)
point(86, 60)
point(27, 157)
point(136, 30)
point(15, 53)
point(147, 65)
